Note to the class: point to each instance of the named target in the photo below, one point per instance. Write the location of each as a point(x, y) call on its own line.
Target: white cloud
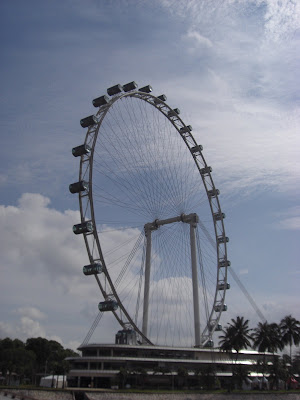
point(39, 238)
point(290, 223)
point(6, 330)
point(242, 98)
point(31, 312)
point(282, 18)
point(197, 40)
point(67, 317)
point(29, 328)
point(3, 179)
point(73, 345)
point(41, 261)
point(251, 144)
point(288, 219)
point(243, 271)
point(272, 306)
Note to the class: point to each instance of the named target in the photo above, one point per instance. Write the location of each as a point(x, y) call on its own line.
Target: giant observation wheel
point(151, 219)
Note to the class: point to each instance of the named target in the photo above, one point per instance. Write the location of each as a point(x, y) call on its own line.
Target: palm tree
point(277, 371)
point(182, 374)
point(122, 375)
point(236, 337)
point(290, 332)
point(267, 337)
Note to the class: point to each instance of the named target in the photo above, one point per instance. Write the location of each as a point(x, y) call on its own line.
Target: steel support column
point(192, 220)
point(147, 281)
point(195, 284)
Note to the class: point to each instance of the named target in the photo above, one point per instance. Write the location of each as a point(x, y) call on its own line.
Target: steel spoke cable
point(129, 173)
point(159, 157)
point(113, 200)
point(163, 156)
point(129, 259)
point(120, 246)
point(146, 155)
point(129, 147)
point(173, 143)
point(153, 166)
point(92, 328)
point(124, 183)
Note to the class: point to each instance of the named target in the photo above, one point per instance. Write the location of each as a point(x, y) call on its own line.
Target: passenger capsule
point(174, 112)
point(115, 89)
point(162, 97)
point(101, 101)
point(209, 344)
point(205, 170)
point(223, 286)
point(186, 129)
point(77, 187)
point(81, 150)
point(224, 263)
point(109, 305)
point(85, 227)
point(196, 149)
point(219, 216)
point(213, 192)
point(88, 121)
point(218, 328)
point(93, 269)
point(130, 86)
point(146, 89)
point(223, 239)
point(219, 307)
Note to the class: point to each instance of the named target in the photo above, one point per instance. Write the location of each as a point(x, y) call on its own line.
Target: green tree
point(14, 358)
point(266, 338)
point(236, 336)
point(240, 375)
point(122, 375)
point(290, 332)
point(41, 349)
point(37, 355)
point(296, 363)
point(140, 375)
point(277, 371)
point(207, 376)
point(182, 374)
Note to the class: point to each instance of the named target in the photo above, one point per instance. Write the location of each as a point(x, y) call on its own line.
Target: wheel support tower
point(192, 220)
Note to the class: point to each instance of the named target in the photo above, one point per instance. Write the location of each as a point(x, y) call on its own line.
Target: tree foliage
point(290, 332)
point(267, 337)
point(37, 355)
point(236, 336)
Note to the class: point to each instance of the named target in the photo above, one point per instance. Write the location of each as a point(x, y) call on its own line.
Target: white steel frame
point(87, 213)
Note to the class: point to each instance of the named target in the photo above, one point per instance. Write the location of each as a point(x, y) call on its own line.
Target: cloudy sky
point(232, 67)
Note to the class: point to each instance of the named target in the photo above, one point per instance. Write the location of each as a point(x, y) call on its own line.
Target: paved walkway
point(49, 395)
point(175, 396)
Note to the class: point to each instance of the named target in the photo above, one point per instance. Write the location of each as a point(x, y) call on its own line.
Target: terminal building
point(101, 365)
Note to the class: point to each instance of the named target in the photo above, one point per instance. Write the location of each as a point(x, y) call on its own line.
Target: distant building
point(100, 364)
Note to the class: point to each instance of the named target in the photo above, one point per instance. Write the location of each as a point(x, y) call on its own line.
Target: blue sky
point(232, 67)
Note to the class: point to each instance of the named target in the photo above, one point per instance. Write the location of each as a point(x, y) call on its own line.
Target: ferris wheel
point(151, 219)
